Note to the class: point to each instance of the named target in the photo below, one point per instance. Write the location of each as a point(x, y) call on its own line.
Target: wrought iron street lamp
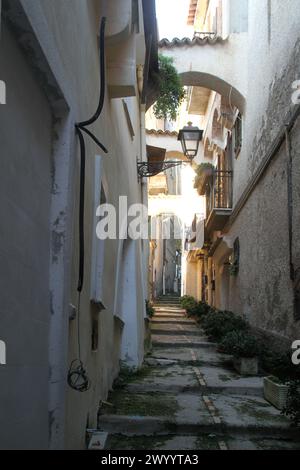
point(190, 138)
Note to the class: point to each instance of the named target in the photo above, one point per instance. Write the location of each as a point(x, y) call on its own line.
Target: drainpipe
point(164, 280)
point(290, 201)
point(144, 182)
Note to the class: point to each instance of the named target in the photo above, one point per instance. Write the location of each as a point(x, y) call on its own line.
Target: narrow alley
point(150, 229)
point(187, 396)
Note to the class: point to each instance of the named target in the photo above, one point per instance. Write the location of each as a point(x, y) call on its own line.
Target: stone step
point(181, 341)
point(204, 441)
point(170, 313)
point(152, 425)
point(201, 390)
point(171, 306)
point(167, 312)
point(166, 321)
point(172, 316)
point(168, 332)
point(162, 442)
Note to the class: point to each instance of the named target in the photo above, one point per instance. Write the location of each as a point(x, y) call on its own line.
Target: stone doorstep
point(146, 425)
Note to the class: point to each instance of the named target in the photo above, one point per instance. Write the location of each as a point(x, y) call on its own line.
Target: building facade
point(243, 57)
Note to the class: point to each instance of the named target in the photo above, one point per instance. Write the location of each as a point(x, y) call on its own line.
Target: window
point(237, 135)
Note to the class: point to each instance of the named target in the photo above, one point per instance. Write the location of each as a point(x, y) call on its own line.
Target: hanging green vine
point(171, 91)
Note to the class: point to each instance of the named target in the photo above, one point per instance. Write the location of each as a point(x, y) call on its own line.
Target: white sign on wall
point(2, 353)
point(2, 92)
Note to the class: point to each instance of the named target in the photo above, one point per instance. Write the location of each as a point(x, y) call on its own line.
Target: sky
point(172, 19)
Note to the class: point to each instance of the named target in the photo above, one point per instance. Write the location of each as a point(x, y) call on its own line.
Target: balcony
point(218, 201)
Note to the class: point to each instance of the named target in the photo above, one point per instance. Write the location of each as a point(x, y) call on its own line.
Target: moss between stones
point(141, 404)
point(128, 375)
point(226, 378)
point(257, 410)
point(121, 442)
point(204, 442)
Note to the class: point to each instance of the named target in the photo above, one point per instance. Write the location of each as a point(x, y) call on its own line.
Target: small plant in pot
point(282, 388)
point(245, 349)
point(204, 172)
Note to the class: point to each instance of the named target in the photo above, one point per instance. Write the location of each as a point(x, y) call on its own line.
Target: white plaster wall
point(70, 46)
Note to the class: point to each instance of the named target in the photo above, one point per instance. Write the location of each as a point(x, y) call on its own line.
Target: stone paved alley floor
point(188, 397)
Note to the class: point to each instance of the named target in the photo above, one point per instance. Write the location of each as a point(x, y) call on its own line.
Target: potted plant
point(276, 392)
point(245, 350)
point(204, 172)
point(284, 373)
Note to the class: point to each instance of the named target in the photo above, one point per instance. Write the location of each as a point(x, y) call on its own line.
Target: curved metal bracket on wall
point(147, 169)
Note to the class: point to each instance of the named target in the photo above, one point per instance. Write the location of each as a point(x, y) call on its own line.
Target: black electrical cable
point(78, 379)
point(81, 210)
point(80, 128)
point(102, 78)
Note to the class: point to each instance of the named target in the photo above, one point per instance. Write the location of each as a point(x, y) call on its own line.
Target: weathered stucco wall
point(25, 245)
point(263, 290)
point(70, 50)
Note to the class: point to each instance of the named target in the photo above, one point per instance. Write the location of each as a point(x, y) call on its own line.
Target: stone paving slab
point(250, 443)
point(249, 413)
point(170, 328)
point(217, 377)
point(181, 341)
point(175, 329)
point(171, 377)
point(203, 355)
point(162, 442)
point(148, 413)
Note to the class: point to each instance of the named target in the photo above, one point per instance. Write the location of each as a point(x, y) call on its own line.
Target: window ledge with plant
point(204, 174)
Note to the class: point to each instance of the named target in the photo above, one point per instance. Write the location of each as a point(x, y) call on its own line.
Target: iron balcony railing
point(219, 191)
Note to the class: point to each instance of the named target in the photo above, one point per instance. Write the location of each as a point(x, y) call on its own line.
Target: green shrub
point(280, 365)
point(200, 309)
point(193, 307)
point(149, 309)
point(217, 324)
point(188, 302)
point(240, 344)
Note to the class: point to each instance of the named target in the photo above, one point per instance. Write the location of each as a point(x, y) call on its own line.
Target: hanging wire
point(78, 379)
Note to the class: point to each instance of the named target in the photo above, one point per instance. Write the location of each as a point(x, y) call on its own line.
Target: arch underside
point(212, 82)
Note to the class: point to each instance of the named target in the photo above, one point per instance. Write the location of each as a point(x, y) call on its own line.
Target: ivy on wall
point(171, 91)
